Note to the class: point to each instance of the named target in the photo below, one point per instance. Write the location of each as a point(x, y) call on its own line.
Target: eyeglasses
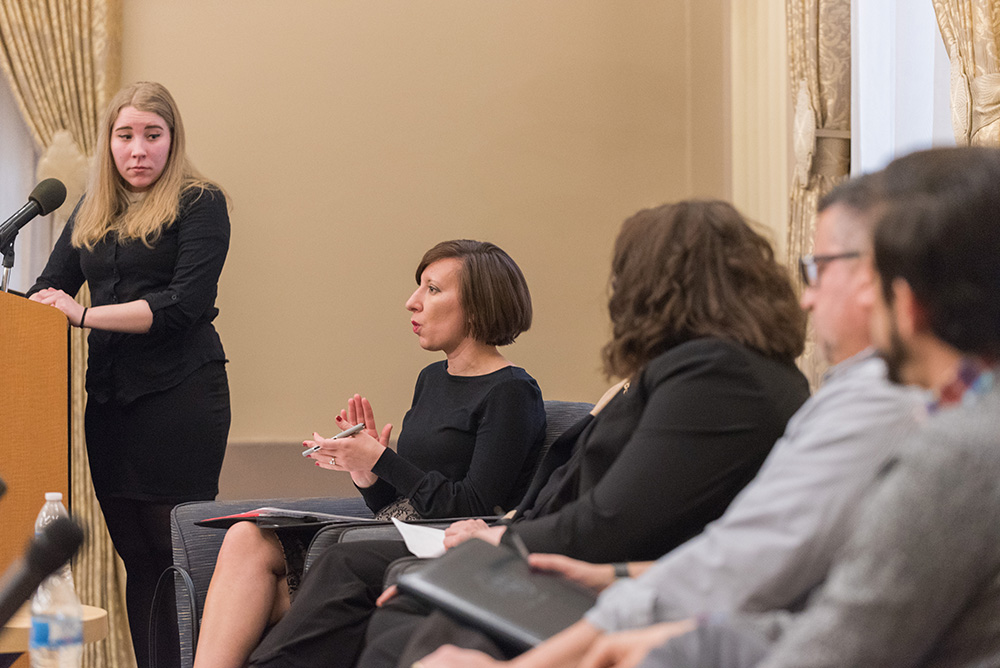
point(810, 265)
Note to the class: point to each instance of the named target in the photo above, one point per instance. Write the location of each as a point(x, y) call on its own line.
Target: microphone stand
point(8, 263)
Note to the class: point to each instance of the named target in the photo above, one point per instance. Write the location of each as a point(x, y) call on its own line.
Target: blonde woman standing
point(150, 238)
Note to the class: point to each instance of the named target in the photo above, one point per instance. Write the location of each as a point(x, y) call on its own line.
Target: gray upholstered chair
point(196, 548)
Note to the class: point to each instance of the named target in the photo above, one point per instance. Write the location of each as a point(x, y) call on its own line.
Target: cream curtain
point(61, 58)
point(819, 69)
point(971, 32)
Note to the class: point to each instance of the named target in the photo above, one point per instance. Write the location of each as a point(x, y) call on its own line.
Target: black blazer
point(665, 457)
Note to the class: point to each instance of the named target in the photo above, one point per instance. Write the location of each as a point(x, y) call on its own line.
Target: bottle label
point(55, 631)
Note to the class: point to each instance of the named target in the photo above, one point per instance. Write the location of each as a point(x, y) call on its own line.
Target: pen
point(344, 434)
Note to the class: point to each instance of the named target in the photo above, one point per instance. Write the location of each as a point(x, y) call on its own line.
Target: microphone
point(47, 552)
point(43, 200)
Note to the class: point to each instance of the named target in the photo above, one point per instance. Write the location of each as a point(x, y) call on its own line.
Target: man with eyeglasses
point(776, 541)
point(811, 265)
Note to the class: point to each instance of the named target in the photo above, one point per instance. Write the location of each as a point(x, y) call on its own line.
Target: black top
point(665, 457)
point(467, 446)
point(178, 277)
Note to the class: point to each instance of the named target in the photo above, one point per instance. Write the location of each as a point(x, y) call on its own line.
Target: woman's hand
point(358, 451)
point(359, 409)
point(354, 453)
point(132, 317)
point(627, 649)
point(463, 530)
point(62, 301)
point(594, 576)
point(390, 593)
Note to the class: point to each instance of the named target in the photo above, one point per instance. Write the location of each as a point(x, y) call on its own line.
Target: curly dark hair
point(697, 269)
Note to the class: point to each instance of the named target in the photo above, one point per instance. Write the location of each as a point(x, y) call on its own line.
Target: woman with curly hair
point(705, 329)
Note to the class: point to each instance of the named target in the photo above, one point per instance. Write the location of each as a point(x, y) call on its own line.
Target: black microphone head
point(58, 542)
point(49, 195)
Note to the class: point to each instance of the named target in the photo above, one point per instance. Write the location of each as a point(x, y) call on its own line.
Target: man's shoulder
point(862, 382)
point(857, 406)
point(972, 429)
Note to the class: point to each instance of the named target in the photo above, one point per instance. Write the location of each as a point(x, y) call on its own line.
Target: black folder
point(493, 588)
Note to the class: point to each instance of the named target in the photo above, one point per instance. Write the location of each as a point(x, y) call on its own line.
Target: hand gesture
point(359, 409)
point(356, 454)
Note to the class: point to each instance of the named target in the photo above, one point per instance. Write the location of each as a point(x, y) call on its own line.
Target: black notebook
point(495, 590)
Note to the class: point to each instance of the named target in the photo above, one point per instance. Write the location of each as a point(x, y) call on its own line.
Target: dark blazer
point(666, 456)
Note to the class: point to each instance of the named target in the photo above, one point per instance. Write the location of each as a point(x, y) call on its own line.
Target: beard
point(896, 355)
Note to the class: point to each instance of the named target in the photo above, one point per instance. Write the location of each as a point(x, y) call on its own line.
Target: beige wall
point(354, 134)
point(761, 149)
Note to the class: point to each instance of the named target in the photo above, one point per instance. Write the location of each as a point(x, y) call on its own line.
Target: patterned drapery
point(971, 32)
point(819, 69)
point(61, 58)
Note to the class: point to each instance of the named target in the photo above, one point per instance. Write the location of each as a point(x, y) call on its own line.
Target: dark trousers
point(406, 630)
point(325, 627)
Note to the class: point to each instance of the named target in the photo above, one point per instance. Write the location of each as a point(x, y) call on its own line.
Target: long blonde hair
point(107, 206)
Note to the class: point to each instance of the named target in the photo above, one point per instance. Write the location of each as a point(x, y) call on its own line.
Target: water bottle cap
point(53, 496)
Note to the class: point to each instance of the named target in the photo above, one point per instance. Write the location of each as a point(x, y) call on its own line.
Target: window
point(17, 178)
point(900, 81)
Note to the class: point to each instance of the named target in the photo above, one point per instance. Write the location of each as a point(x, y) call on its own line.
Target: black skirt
point(167, 446)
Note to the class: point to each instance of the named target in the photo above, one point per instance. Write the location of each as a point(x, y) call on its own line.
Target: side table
point(16, 632)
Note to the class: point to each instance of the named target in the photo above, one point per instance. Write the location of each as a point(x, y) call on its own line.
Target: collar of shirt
point(974, 379)
point(841, 367)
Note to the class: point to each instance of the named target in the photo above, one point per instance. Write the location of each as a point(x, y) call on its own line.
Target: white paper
point(422, 541)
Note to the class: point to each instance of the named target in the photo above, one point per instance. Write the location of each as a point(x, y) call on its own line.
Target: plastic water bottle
point(56, 639)
point(52, 509)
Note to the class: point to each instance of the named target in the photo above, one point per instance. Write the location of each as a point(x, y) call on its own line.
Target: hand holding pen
point(351, 431)
point(357, 454)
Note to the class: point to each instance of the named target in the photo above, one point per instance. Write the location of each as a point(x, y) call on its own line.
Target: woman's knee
point(247, 545)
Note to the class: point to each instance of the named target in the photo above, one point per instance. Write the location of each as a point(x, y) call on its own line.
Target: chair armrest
point(339, 533)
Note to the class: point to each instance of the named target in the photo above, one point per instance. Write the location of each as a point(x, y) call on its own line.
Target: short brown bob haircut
point(696, 269)
point(493, 292)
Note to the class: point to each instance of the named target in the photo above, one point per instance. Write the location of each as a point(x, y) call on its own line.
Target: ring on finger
point(333, 461)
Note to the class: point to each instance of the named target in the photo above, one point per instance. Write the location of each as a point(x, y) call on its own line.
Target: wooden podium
point(34, 416)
